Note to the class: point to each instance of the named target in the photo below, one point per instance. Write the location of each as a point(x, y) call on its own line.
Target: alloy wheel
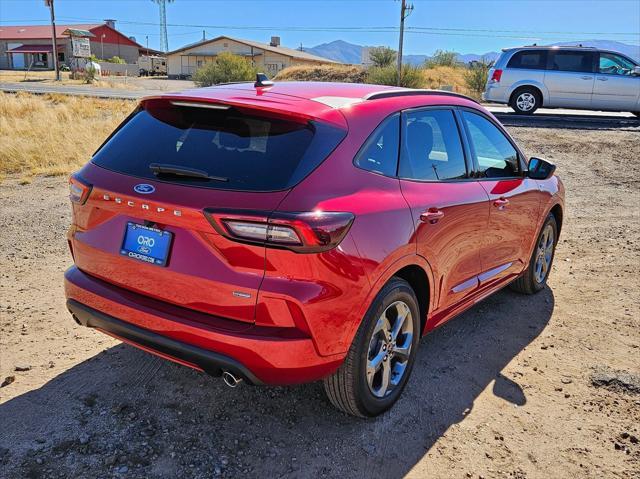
point(389, 349)
point(544, 253)
point(526, 101)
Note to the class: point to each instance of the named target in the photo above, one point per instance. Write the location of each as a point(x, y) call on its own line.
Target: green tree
point(476, 76)
point(226, 68)
point(411, 77)
point(442, 58)
point(382, 56)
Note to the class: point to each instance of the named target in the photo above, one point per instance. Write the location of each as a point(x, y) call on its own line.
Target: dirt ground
point(518, 387)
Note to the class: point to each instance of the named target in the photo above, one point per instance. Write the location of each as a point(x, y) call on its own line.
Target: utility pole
point(405, 11)
point(204, 36)
point(49, 3)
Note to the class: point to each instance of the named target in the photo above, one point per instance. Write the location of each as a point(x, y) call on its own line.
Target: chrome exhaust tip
point(230, 380)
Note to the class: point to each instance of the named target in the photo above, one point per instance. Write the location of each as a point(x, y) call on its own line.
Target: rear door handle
point(602, 78)
point(587, 78)
point(500, 203)
point(432, 215)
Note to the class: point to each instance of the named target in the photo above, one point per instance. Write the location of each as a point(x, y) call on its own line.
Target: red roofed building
point(25, 46)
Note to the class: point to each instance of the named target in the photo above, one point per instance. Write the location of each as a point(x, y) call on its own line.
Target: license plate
point(147, 244)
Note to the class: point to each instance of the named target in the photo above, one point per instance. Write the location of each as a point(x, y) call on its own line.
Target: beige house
point(268, 57)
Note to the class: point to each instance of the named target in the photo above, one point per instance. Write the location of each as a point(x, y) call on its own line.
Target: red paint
point(302, 309)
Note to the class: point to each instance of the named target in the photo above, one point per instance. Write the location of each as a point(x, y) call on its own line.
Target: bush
point(226, 68)
point(411, 77)
point(476, 76)
point(326, 73)
point(442, 58)
point(382, 56)
point(116, 60)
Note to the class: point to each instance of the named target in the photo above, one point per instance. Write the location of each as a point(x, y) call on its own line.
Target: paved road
point(544, 117)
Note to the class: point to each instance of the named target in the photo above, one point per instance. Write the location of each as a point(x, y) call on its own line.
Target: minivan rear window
point(226, 148)
point(529, 59)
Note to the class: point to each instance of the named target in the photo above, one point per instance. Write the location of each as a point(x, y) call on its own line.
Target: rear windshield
point(237, 151)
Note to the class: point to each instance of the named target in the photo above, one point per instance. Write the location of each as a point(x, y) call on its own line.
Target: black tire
point(527, 282)
point(636, 113)
point(347, 388)
point(533, 97)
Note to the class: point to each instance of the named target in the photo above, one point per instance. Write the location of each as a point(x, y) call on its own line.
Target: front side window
point(571, 61)
point(614, 65)
point(494, 154)
point(431, 147)
point(529, 59)
point(380, 153)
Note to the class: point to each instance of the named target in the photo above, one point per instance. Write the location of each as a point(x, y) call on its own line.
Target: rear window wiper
point(183, 171)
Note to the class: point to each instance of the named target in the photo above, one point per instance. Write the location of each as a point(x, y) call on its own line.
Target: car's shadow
point(126, 409)
point(570, 121)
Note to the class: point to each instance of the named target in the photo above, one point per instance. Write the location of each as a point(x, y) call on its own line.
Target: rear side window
point(529, 59)
point(571, 61)
point(235, 150)
point(494, 154)
point(380, 152)
point(431, 147)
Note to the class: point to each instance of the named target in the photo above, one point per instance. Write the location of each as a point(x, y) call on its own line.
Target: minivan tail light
point(497, 75)
point(308, 232)
point(78, 189)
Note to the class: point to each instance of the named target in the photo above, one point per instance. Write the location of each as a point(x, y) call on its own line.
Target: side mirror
point(540, 169)
point(636, 71)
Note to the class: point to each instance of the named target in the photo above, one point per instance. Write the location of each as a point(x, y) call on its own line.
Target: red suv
point(288, 233)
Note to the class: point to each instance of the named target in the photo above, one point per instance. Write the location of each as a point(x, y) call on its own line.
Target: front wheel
point(535, 276)
point(381, 356)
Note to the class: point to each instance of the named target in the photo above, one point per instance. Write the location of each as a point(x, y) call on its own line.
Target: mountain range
point(346, 52)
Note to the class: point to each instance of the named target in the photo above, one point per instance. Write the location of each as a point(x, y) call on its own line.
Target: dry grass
point(53, 134)
point(47, 77)
point(337, 73)
point(439, 77)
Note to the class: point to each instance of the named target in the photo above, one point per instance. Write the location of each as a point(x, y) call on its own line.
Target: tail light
point(497, 75)
point(309, 232)
point(78, 189)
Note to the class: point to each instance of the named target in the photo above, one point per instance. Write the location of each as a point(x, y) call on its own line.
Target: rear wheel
point(636, 113)
point(535, 276)
point(381, 356)
point(525, 101)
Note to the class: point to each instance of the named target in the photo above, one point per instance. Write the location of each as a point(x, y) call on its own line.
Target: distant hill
point(338, 50)
point(346, 52)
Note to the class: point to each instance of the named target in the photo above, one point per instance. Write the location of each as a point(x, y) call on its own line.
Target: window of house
point(431, 147)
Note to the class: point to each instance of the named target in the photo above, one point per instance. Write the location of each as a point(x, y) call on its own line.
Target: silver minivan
point(527, 78)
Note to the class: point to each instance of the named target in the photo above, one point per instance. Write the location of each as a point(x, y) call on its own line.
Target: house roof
point(39, 32)
point(290, 52)
point(43, 32)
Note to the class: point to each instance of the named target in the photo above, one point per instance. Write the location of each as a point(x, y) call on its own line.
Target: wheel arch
point(557, 212)
point(544, 95)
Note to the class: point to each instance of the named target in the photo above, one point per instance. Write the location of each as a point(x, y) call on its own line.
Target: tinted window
point(431, 148)
point(380, 153)
point(532, 59)
point(253, 153)
point(495, 155)
point(571, 61)
point(614, 64)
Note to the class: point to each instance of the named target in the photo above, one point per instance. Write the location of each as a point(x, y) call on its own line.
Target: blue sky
point(466, 26)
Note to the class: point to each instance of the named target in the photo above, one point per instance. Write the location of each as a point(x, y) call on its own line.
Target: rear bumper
point(494, 93)
point(260, 355)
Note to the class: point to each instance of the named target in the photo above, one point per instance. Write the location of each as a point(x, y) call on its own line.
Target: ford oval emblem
point(144, 188)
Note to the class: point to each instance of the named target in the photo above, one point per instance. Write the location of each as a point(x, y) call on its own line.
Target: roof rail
point(394, 93)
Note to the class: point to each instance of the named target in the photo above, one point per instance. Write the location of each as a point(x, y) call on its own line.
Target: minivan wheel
point(525, 101)
point(382, 355)
point(636, 113)
point(535, 276)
